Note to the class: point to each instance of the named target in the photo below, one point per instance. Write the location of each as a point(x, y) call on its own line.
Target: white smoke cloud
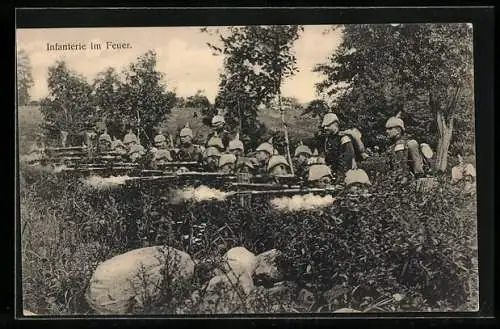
point(99, 182)
point(198, 194)
point(301, 202)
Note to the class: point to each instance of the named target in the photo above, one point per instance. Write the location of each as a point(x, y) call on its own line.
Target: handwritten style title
point(78, 46)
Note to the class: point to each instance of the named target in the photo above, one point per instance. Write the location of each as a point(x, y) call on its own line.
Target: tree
point(199, 101)
point(422, 70)
point(257, 60)
point(24, 77)
point(69, 105)
point(316, 108)
point(144, 100)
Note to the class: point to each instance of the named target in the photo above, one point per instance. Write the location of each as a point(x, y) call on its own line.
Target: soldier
point(356, 180)
point(130, 138)
point(319, 175)
point(104, 142)
point(337, 150)
point(219, 128)
point(263, 153)
point(227, 163)
point(301, 156)
point(211, 158)
point(278, 166)
point(236, 146)
point(187, 150)
point(215, 141)
point(118, 147)
point(404, 153)
point(315, 159)
point(136, 152)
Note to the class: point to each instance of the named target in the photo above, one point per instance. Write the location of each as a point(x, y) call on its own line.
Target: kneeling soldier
point(263, 153)
point(302, 155)
point(236, 146)
point(104, 143)
point(319, 176)
point(404, 153)
point(356, 180)
point(227, 162)
point(278, 166)
point(211, 158)
point(187, 150)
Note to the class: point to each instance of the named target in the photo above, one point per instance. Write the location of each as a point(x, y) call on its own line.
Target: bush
point(361, 251)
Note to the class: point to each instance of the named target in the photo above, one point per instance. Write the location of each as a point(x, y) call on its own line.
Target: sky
point(183, 56)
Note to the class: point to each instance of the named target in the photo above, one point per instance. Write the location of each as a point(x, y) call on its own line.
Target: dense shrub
point(360, 251)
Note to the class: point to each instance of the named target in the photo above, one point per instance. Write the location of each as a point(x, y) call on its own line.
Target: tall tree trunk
point(445, 128)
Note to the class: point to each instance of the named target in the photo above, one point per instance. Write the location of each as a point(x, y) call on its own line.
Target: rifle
point(285, 191)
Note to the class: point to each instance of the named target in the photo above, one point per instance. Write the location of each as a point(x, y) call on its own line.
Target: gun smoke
point(98, 182)
point(301, 202)
point(198, 194)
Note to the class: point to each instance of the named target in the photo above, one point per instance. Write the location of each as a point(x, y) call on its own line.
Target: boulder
point(239, 260)
point(266, 266)
point(226, 293)
point(135, 277)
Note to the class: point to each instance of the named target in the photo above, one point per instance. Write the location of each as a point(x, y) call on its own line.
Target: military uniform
point(338, 152)
point(224, 136)
point(188, 153)
point(405, 158)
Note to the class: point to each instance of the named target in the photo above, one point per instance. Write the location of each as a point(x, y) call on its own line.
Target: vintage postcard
point(255, 169)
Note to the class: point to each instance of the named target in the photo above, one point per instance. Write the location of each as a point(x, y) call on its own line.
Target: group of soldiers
point(334, 160)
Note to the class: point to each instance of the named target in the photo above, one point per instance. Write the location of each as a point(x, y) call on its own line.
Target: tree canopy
point(24, 77)
point(423, 70)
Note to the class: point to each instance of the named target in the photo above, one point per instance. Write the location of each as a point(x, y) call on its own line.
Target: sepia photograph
point(256, 169)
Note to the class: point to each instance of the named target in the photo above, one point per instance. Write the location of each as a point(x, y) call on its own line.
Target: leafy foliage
point(69, 104)
point(24, 77)
point(379, 70)
point(422, 246)
point(257, 60)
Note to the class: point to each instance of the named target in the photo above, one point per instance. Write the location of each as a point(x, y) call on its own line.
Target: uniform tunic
point(338, 152)
point(224, 135)
point(405, 158)
point(189, 153)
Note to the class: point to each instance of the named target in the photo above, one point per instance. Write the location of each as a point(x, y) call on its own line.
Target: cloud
point(183, 56)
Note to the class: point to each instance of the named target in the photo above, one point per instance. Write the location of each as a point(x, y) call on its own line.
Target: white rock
point(28, 313)
point(132, 277)
point(266, 265)
point(239, 260)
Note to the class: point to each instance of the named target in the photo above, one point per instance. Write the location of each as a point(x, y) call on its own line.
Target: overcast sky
point(182, 52)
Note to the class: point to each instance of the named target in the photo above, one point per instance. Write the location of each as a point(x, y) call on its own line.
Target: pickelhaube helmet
point(137, 148)
point(160, 138)
point(105, 138)
point(226, 158)
point(211, 151)
point(395, 121)
point(302, 149)
point(277, 160)
point(130, 138)
point(329, 118)
point(266, 147)
point(318, 171)
point(186, 131)
point(236, 144)
point(356, 176)
point(216, 141)
point(218, 120)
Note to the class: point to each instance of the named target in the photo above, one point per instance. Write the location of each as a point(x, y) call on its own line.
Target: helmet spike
point(187, 125)
point(460, 159)
point(399, 114)
point(270, 140)
point(315, 152)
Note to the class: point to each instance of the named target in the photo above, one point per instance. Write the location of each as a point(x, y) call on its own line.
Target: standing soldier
point(301, 156)
point(337, 150)
point(187, 150)
point(404, 153)
point(219, 128)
